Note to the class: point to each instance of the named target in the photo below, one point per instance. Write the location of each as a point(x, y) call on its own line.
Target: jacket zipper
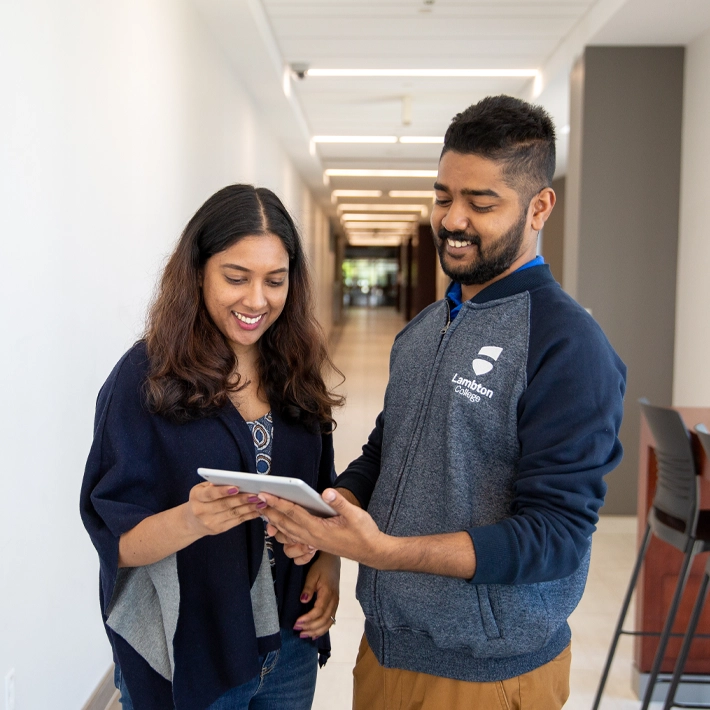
point(432, 375)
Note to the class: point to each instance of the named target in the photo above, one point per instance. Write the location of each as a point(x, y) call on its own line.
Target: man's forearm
point(449, 555)
point(353, 534)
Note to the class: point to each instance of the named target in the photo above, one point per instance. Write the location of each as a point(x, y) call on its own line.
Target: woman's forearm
point(157, 537)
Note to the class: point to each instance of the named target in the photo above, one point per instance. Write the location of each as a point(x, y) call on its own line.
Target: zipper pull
point(448, 318)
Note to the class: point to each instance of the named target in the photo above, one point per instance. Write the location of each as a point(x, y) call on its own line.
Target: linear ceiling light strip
point(419, 194)
point(374, 207)
point(374, 217)
point(435, 73)
point(357, 172)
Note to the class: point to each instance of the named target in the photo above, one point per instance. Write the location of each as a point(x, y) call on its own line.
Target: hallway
point(361, 352)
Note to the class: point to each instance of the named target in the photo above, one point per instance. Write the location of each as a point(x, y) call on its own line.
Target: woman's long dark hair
point(191, 363)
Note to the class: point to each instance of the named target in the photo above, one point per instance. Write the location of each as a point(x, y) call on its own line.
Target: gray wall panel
point(627, 239)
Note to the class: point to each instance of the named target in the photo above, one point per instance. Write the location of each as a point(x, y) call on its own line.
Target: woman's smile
point(248, 322)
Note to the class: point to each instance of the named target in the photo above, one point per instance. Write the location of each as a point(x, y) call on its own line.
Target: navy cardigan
point(141, 464)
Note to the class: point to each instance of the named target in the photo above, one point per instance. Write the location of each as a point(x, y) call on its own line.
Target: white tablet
point(292, 489)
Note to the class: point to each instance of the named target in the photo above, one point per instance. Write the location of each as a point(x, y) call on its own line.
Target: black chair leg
point(622, 616)
point(687, 640)
point(666, 633)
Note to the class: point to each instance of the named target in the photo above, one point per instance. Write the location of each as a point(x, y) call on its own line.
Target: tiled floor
point(362, 353)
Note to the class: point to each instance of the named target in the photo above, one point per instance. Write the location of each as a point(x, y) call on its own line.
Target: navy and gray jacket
point(141, 464)
point(501, 422)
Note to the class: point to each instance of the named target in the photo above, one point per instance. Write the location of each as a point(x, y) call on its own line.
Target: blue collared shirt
point(454, 292)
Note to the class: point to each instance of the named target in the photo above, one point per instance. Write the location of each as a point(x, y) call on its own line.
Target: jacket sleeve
point(568, 425)
point(118, 490)
point(361, 475)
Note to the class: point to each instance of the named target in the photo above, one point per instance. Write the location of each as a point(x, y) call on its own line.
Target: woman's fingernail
point(252, 499)
point(298, 627)
point(261, 505)
point(305, 636)
point(304, 597)
point(232, 491)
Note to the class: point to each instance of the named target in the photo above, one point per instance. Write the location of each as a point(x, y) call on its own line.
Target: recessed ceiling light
point(421, 139)
point(356, 172)
point(374, 217)
point(382, 224)
point(383, 208)
point(374, 241)
point(354, 193)
point(443, 73)
point(378, 233)
point(412, 193)
point(354, 139)
point(355, 235)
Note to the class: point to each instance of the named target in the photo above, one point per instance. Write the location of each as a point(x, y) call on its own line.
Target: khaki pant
point(378, 688)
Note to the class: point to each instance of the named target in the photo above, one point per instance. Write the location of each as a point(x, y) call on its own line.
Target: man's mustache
point(444, 234)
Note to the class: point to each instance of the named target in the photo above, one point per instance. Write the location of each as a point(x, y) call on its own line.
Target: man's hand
point(352, 533)
point(303, 554)
point(355, 535)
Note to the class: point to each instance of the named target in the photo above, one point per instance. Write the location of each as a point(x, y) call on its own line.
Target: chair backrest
point(677, 486)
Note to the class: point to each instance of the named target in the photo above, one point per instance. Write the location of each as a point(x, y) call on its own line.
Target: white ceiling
point(388, 34)
point(654, 22)
point(261, 37)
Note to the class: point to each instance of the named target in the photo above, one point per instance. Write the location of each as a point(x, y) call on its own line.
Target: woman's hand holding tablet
point(291, 489)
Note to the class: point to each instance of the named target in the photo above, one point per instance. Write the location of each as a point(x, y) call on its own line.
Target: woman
point(203, 611)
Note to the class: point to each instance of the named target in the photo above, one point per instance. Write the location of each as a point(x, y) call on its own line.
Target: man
point(472, 506)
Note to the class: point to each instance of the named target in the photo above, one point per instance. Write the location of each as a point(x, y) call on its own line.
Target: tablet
point(292, 489)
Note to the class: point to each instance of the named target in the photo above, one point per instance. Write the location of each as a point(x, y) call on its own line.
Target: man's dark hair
point(510, 131)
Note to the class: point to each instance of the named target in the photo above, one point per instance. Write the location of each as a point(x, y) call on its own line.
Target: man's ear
point(541, 207)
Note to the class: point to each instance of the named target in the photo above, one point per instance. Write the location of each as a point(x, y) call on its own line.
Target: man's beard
point(492, 262)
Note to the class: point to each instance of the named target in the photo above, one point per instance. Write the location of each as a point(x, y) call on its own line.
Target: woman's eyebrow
point(236, 267)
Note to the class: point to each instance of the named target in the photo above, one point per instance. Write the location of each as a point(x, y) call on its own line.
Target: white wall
point(691, 381)
point(118, 119)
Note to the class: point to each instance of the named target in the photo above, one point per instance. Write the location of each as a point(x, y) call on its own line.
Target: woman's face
point(245, 288)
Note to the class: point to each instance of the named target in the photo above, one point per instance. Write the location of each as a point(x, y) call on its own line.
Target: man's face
point(480, 227)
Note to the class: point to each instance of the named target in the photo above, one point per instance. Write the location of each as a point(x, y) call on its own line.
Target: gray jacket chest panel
point(450, 434)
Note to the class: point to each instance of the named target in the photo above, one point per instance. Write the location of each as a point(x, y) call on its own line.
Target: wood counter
point(659, 574)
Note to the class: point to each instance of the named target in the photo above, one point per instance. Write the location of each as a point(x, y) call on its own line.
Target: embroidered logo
point(480, 366)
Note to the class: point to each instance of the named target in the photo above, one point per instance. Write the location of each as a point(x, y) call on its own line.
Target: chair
point(674, 518)
point(704, 436)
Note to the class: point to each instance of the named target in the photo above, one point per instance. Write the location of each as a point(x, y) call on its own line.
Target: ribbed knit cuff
point(497, 554)
point(358, 486)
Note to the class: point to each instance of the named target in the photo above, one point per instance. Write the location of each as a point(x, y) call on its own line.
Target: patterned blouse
point(263, 594)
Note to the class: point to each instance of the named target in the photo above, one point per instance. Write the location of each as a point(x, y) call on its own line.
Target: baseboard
point(104, 695)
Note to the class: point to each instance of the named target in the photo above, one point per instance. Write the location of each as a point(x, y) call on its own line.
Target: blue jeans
point(287, 680)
